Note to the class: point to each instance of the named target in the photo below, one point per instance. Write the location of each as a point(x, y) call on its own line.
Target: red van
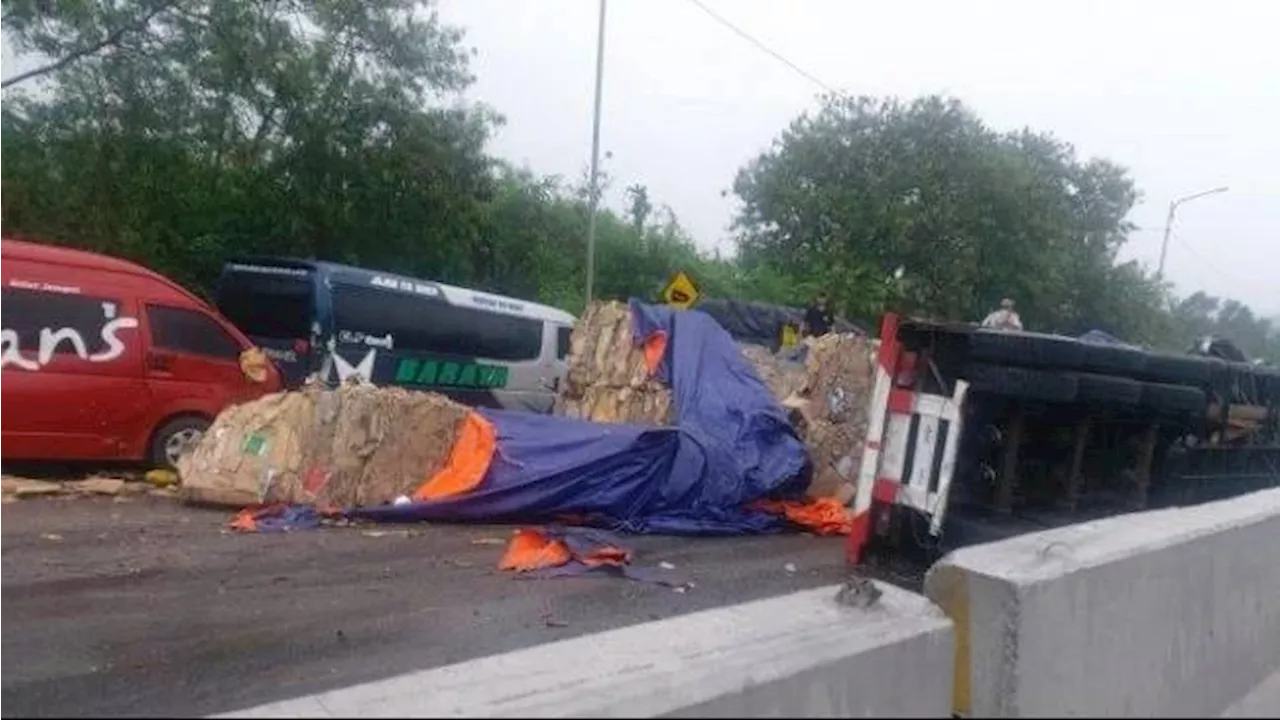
point(103, 359)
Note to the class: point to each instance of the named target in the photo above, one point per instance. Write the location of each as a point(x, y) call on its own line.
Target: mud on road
point(145, 607)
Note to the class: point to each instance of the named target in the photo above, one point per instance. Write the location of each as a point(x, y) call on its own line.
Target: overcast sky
point(1186, 95)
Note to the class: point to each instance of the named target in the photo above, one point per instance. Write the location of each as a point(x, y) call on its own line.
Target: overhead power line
point(1204, 261)
point(764, 48)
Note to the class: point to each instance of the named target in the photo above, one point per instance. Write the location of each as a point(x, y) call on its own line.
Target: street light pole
point(1168, 224)
point(595, 160)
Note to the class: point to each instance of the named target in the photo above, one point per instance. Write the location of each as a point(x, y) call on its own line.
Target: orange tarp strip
point(532, 550)
point(822, 516)
point(468, 461)
point(614, 556)
point(245, 521)
point(654, 347)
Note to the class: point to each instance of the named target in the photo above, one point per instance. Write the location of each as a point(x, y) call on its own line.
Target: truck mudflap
point(909, 457)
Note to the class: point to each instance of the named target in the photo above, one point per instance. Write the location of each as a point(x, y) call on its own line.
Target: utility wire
point(765, 48)
point(1204, 260)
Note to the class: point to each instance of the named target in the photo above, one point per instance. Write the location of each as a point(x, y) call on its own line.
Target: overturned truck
point(977, 434)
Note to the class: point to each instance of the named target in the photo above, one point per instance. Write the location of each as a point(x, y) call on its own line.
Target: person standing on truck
point(818, 317)
point(1003, 319)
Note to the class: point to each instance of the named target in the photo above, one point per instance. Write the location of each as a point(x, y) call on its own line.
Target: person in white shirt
point(1003, 319)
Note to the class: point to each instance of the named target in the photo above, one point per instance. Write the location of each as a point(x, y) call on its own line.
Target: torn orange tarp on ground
point(468, 461)
point(822, 516)
point(535, 550)
point(281, 518)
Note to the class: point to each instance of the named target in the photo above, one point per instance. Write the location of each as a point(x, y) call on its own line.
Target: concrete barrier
point(1174, 613)
point(799, 655)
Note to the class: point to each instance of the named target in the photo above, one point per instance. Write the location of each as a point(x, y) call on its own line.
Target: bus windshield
point(265, 304)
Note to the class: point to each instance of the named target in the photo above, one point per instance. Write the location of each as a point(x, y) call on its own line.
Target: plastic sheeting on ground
point(568, 551)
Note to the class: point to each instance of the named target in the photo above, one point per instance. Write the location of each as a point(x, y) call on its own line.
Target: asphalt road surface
point(148, 608)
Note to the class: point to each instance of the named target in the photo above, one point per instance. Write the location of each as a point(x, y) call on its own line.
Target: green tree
point(864, 187)
point(213, 128)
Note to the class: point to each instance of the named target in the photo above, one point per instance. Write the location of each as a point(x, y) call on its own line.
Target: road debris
point(162, 478)
point(858, 592)
point(97, 486)
point(24, 489)
point(387, 533)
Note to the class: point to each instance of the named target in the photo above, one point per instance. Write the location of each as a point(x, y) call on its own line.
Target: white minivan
point(481, 349)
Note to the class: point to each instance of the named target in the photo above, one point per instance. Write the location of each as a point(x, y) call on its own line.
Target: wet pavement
point(143, 607)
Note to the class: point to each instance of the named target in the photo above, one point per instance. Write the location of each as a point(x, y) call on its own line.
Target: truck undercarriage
point(1053, 430)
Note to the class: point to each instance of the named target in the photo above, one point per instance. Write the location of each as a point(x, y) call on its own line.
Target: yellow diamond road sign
point(680, 291)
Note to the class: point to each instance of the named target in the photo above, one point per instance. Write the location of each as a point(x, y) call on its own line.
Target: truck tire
point(1169, 368)
point(1107, 390)
point(1027, 349)
point(1113, 360)
point(1021, 383)
point(1173, 399)
point(172, 437)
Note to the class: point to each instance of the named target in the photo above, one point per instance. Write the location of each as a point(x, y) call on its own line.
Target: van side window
point(190, 331)
point(27, 312)
point(432, 325)
point(563, 335)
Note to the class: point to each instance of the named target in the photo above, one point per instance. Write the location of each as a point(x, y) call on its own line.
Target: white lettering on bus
point(495, 302)
point(387, 341)
point(267, 269)
point(392, 283)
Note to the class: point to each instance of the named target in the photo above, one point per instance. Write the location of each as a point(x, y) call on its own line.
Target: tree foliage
point(183, 132)
point(922, 207)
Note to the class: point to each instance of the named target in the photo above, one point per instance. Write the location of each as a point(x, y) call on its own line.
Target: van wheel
point(174, 438)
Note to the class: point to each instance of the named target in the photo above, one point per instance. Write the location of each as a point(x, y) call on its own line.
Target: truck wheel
point(1107, 390)
point(1025, 348)
point(175, 437)
point(1113, 360)
point(1173, 399)
point(1180, 369)
point(1021, 383)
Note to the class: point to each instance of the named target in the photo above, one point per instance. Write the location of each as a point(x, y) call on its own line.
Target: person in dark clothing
point(818, 317)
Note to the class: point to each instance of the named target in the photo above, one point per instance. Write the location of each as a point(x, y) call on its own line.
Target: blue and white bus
point(339, 321)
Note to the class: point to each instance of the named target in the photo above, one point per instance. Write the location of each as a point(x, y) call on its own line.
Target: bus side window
point(429, 325)
point(563, 336)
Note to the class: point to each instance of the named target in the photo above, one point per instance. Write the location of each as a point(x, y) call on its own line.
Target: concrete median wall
point(1172, 613)
point(802, 654)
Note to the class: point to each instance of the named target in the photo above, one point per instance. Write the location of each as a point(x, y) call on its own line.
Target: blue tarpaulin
point(731, 446)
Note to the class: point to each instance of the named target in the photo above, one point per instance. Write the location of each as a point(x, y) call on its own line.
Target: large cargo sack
point(356, 445)
point(608, 380)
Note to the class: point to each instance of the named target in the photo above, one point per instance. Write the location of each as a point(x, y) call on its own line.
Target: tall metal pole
point(595, 160)
point(1168, 224)
point(1164, 244)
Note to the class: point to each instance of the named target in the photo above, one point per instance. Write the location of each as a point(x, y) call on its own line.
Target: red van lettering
point(11, 354)
point(115, 346)
point(50, 340)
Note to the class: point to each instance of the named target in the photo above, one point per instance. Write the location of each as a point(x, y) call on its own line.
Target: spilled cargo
point(665, 427)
